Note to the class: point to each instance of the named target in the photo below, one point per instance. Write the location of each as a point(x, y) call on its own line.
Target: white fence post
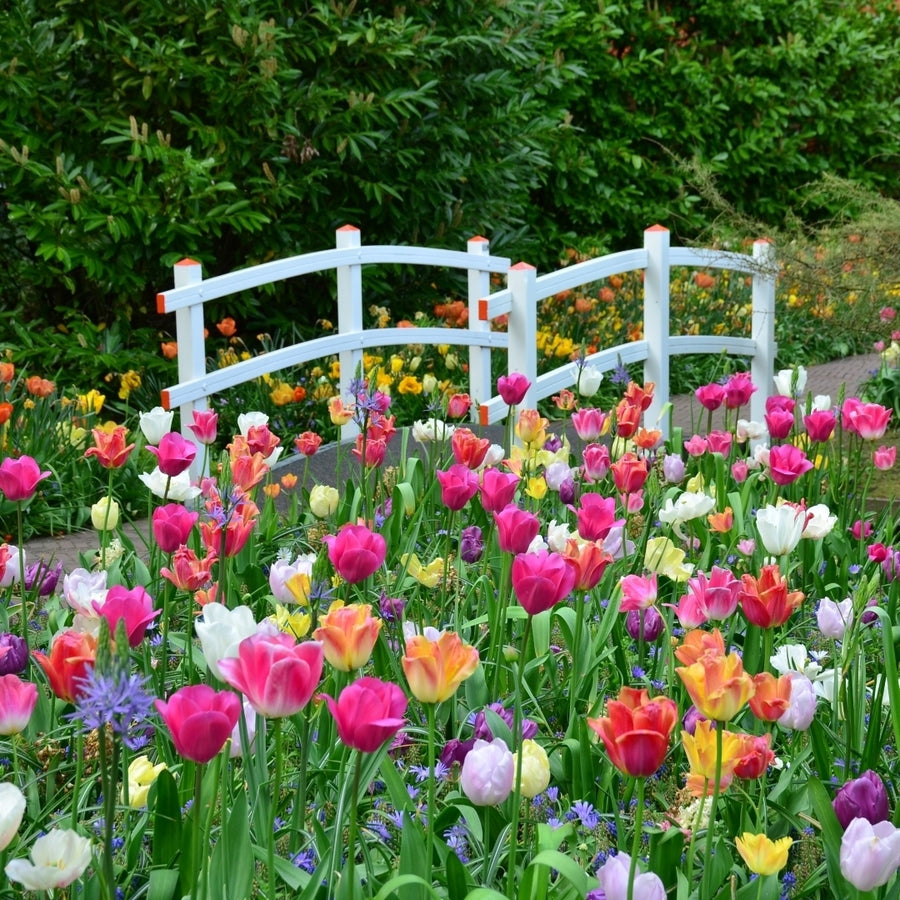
point(350, 318)
point(522, 330)
point(191, 350)
point(762, 367)
point(656, 323)
point(480, 386)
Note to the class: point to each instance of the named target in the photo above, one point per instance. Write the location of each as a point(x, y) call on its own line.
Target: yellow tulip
point(763, 855)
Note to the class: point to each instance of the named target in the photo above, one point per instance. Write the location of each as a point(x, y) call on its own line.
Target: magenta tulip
point(172, 524)
point(516, 528)
point(711, 396)
point(275, 673)
point(596, 517)
point(541, 580)
point(787, 463)
point(200, 720)
point(174, 454)
point(17, 702)
point(368, 713)
point(513, 388)
point(459, 484)
point(355, 552)
point(820, 425)
point(498, 489)
point(134, 608)
point(19, 478)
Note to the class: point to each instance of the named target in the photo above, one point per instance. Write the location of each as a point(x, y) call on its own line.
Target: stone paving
point(829, 378)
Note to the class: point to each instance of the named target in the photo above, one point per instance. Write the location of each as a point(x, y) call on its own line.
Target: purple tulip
point(483, 730)
point(471, 545)
point(13, 654)
point(690, 719)
point(653, 624)
point(44, 576)
point(862, 798)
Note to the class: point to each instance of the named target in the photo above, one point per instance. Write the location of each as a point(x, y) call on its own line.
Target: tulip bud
point(535, 769)
point(105, 514)
point(488, 773)
point(653, 624)
point(862, 798)
point(323, 501)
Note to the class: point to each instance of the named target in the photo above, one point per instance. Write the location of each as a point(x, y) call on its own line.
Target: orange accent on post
point(160, 303)
point(187, 261)
point(764, 240)
point(478, 237)
point(482, 310)
point(657, 228)
point(348, 228)
point(519, 266)
point(483, 415)
point(164, 399)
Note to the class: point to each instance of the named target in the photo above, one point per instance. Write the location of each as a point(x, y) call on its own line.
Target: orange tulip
point(636, 731)
point(339, 414)
point(628, 418)
point(772, 696)
point(227, 327)
point(169, 349)
point(7, 372)
point(697, 643)
point(590, 560)
point(755, 757)
point(348, 635)
point(248, 471)
point(435, 669)
point(721, 522)
point(700, 749)
point(39, 387)
point(6, 411)
point(765, 600)
point(718, 685)
point(531, 427)
point(71, 656)
point(468, 449)
point(109, 447)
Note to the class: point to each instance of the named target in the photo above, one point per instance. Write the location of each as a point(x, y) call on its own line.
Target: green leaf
point(165, 811)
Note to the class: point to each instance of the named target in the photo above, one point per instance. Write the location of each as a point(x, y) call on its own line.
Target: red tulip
point(308, 443)
point(636, 731)
point(469, 449)
point(71, 655)
point(368, 713)
point(200, 720)
point(541, 580)
point(174, 454)
point(458, 406)
point(629, 473)
point(355, 552)
point(765, 600)
point(275, 673)
point(134, 607)
point(172, 524)
point(189, 572)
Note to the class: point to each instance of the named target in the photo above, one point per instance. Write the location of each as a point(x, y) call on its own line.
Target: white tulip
point(57, 859)
point(12, 808)
point(155, 424)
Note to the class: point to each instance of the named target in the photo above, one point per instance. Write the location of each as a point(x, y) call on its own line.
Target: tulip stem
point(21, 548)
point(429, 849)
point(351, 836)
point(517, 744)
point(575, 681)
point(273, 809)
point(195, 809)
point(299, 812)
point(498, 626)
point(707, 865)
point(636, 840)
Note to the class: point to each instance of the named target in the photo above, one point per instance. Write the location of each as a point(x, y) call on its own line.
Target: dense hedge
point(233, 131)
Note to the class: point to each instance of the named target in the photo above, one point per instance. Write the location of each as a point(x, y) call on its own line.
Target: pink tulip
point(885, 457)
point(738, 389)
point(820, 425)
point(711, 396)
point(174, 454)
point(368, 712)
point(787, 463)
point(716, 595)
point(697, 445)
point(172, 524)
point(589, 423)
point(513, 388)
point(200, 720)
point(595, 458)
point(205, 425)
point(638, 592)
point(868, 420)
point(541, 580)
point(19, 477)
point(355, 552)
point(596, 517)
point(498, 489)
point(459, 484)
point(779, 422)
point(275, 673)
point(516, 528)
point(17, 701)
point(719, 442)
point(134, 607)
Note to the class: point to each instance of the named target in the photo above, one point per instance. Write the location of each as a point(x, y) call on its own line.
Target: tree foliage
point(232, 131)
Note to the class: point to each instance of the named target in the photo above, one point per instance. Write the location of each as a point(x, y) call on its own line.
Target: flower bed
point(599, 667)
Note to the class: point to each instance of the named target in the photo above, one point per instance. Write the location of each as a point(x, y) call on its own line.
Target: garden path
point(828, 378)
